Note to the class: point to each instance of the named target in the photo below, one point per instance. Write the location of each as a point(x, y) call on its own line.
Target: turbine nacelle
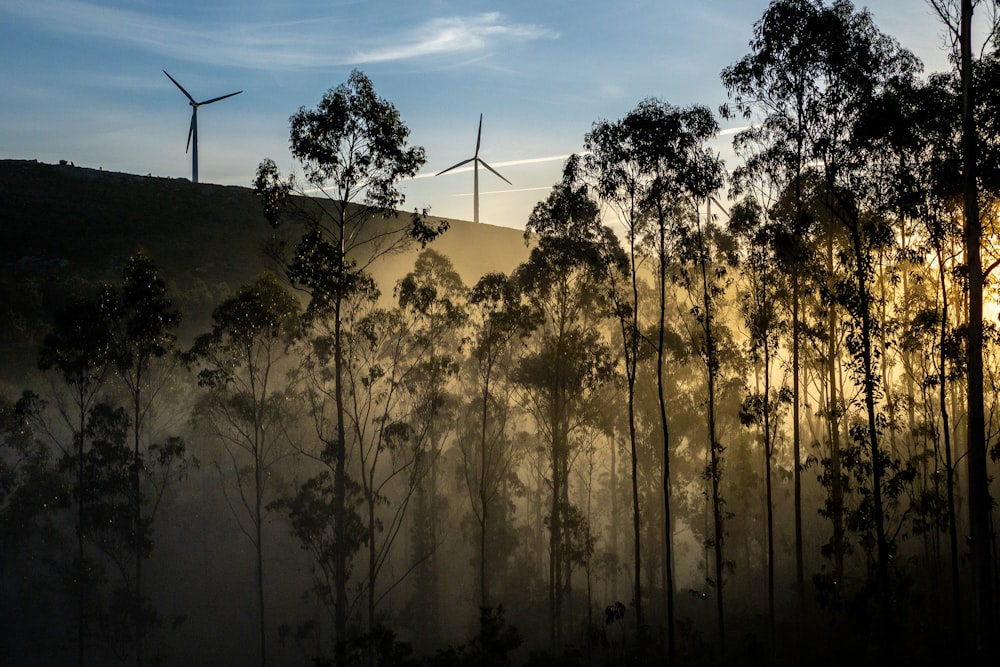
point(193, 130)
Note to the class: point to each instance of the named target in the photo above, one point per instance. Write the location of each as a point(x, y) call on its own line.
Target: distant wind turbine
point(476, 160)
point(193, 132)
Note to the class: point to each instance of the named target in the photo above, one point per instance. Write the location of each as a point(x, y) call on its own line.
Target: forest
point(721, 414)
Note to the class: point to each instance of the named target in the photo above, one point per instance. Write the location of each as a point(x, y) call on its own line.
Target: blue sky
point(82, 80)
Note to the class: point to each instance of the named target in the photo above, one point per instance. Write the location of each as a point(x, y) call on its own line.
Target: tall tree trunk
point(137, 518)
point(632, 363)
point(870, 384)
point(979, 492)
point(800, 586)
point(768, 445)
point(262, 626)
point(833, 408)
point(483, 499)
point(555, 530)
point(340, 485)
point(715, 465)
point(797, 444)
point(956, 593)
point(81, 573)
point(668, 537)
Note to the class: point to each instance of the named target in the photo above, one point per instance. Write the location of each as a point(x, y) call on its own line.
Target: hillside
point(63, 225)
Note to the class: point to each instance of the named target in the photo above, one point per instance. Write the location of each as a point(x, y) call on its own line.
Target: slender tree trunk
point(979, 492)
point(836, 476)
point(632, 362)
point(768, 445)
point(260, 587)
point(483, 584)
point(555, 529)
point(956, 592)
point(797, 444)
point(340, 487)
point(82, 583)
point(870, 385)
point(668, 536)
point(258, 519)
point(800, 586)
point(371, 563)
point(715, 465)
point(137, 520)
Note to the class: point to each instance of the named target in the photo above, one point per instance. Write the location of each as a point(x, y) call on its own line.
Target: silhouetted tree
point(31, 489)
point(433, 295)
point(762, 316)
point(778, 79)
point(353, 150)
point(142, 322)
point(487, 459)
point(78, 348)
point(957, 18)
point(568, 359)
point(245, 404)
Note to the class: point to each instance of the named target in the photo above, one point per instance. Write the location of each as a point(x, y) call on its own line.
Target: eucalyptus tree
point(839, 63)
point(433, 295)
point(122, 614)
point(487, 458)
point(707, 254)
point(926, 138)
point(567, 360)
point(245, 404)
point(857, 63)
point(957, 16)
point(388, 445)
point(31, 487)
point(760, 307)
point(79, 349)
point(613, 163)
point(778, 81)
point(353, 151)
point(649, 166)
point(143, 320)
point(655, 165)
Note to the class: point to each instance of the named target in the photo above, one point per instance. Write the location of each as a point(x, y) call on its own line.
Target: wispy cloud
point(456, 35)
point(297, 44)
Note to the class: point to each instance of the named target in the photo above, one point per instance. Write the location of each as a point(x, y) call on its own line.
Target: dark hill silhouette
point(64, 226)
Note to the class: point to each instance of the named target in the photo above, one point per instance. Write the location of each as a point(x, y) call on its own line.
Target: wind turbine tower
point(193, 132)
point(476, 160)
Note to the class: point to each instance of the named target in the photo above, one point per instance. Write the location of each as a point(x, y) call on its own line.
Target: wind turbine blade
point(716, 202)
point(194, 119)
point(186, 93)
point(494, 171)
point(479, 134)
point(456, 166)
point(216, 99)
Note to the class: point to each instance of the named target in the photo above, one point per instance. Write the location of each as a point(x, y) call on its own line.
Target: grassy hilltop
point(63, 226)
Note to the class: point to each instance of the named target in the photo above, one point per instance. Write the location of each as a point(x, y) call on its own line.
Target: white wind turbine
point(193, 132)
point(476, 160)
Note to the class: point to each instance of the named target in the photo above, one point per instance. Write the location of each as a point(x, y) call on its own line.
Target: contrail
point(509, 163)
point(502, 192)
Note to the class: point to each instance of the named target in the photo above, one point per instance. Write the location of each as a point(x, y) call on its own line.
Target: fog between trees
point(721, 414)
